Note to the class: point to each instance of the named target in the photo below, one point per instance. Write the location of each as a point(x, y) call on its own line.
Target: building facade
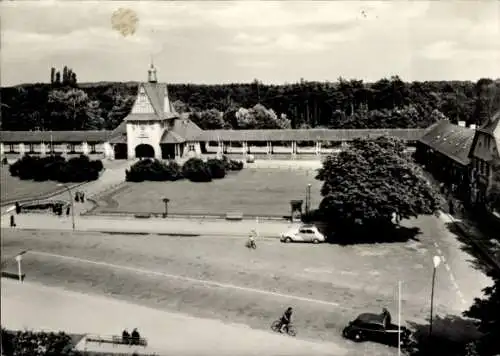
point(466, 158)
point(153, 129)
point(485, 160)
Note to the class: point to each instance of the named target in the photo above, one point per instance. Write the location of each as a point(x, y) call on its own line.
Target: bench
point(115, 340)
point(236, 216)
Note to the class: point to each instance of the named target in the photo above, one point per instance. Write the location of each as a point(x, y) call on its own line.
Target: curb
point(157, 233)
point(492, 261)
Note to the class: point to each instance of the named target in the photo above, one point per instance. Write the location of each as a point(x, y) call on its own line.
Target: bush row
point(194, 169)
point(36, 343)
point(56, 168)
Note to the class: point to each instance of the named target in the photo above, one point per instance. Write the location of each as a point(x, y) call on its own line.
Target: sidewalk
point(167, 226)
point(37, 307)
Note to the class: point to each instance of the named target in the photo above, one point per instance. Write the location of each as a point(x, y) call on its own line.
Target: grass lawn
point(254, 192)
point(13, 188)
point(357, 278)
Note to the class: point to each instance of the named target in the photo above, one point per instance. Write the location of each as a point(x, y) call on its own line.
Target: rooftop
point(307, 134)
point(451, 140)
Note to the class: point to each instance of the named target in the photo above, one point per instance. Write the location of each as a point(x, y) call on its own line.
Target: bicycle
point(276, 326)
point(251, 244)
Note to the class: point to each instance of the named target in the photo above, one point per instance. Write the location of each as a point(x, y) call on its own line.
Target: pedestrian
point(68, 208)
point(18, 208)
point(125, 337)
point(82, 197)
point(12, 221)
point(451, 207)
point(77, 196)
point(135, 336)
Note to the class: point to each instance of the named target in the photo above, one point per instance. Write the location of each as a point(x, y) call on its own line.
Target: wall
point(149, 133)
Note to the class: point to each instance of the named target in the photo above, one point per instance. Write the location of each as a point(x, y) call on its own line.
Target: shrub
point(37, 343)
point(196, 170)
point(153, 170)
point(217, 168)
point(231, 164)
point(78, 169)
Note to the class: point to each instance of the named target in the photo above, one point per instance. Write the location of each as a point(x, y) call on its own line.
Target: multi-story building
point(485, 160)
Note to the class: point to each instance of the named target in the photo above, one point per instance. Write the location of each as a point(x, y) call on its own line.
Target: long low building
point(154, 129)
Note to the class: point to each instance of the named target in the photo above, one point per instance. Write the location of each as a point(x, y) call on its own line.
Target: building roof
point(119, 134)
point(54, 136)
point(451, 140)
point(156, 93)
point(307, 134)
point(181, 129)
point(492, 124)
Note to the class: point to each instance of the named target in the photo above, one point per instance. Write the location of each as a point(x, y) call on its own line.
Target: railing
point(116, 340)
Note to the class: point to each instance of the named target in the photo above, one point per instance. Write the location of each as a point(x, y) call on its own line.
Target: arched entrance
point(120, 150)
point(144, 151)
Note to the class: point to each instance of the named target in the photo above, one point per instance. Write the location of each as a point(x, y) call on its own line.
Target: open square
point(252, 191)
point(217, 277)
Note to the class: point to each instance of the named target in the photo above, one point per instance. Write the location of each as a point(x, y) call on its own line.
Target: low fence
point(155, 215)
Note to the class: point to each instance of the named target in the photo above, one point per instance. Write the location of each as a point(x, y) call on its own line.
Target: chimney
point(472, 126)
point(461, 123)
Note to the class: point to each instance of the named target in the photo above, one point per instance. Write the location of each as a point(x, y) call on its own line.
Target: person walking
point(12, 221)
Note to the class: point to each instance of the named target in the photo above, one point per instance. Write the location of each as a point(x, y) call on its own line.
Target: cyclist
point(286, 319)
point(251, 238)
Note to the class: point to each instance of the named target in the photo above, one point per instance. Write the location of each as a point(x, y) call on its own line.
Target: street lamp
point(72, 204)
point(436, 261)
point(308, 198)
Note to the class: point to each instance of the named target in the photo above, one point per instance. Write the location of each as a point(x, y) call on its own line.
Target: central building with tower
point(154, 129)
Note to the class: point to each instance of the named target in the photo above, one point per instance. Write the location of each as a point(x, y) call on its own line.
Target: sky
point(239, 41)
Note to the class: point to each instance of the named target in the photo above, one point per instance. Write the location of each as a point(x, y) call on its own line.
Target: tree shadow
point(450, 335)
point(388, 234)
point(478, 259)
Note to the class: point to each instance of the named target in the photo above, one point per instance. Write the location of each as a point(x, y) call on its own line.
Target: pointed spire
point(152, 72)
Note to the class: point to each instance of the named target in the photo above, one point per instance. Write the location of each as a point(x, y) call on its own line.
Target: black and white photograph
point(261, 178)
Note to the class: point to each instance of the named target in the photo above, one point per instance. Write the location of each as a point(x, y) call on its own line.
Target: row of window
point(481, 167)
point(34, 148)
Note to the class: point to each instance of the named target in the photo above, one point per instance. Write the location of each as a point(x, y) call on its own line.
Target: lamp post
point(308, 198)
point(436, 261)
point(165, 201)
point(72, 204)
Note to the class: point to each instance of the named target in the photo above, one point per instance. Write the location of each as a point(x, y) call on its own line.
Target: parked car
point(303, 233)
point(375, 327)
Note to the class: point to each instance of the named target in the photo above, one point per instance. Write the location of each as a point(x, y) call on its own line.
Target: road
point(216, 277)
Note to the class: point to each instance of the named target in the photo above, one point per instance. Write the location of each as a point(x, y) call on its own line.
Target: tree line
point(387, 103)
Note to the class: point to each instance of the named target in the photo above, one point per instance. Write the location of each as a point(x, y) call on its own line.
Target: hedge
point(56, 168)
point(29, 343)
point(194, 169)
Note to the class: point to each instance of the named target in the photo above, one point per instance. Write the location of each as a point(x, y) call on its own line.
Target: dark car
point(374, 327)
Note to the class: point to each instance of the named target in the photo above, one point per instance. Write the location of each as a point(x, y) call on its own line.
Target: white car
point(303, 233)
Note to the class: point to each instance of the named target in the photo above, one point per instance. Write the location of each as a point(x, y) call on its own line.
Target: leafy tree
point(68, 109)
point(208, 119)
point(180, 106)
point(369, 182)
point(52, 75)
point(487, 311)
